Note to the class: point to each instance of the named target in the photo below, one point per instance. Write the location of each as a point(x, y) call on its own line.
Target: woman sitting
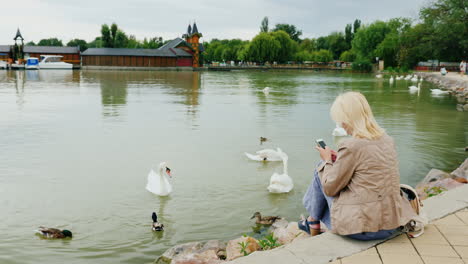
point(358, 195)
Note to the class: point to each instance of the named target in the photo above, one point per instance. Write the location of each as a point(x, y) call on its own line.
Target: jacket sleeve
point(337, 175)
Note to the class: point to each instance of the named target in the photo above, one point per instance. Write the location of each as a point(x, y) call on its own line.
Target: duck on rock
point(264, 220)
point(53, 233)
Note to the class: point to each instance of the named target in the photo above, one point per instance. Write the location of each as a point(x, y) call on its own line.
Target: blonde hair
point(352, 109)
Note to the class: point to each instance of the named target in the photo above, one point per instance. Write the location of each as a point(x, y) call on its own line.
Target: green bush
point(362, 66)
point(348, 56)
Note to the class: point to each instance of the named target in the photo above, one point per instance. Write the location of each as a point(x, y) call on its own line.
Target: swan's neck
point(285, 166)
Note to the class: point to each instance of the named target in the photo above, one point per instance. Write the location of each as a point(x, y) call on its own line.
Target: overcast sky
point(67, 19)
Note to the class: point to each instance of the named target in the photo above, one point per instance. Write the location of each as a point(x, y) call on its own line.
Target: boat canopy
point(32, 61)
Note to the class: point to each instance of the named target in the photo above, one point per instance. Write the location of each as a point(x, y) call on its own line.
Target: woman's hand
point(325, 154)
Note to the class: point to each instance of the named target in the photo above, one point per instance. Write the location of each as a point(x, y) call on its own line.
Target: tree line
point(441, 33)
point(111, 37)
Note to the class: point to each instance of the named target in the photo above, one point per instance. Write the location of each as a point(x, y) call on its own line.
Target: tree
point(356, 26)
point(121, 40)
point(323, 56)
point(348, 56)
point(368, 38)
point(293, 33)
point(78, 42)
point(308, 45)
point(50, 42)
point(337, 44)
point(106, 37)
point(448, 20)
point(264, 25)
point(96, 43)
point(264, 47)
point(348, 35)
point(30, 43)
point(287, 46)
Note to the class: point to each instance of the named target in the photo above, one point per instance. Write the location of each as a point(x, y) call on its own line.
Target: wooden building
point(175, 53)
point(70, 54)
point(4, 52)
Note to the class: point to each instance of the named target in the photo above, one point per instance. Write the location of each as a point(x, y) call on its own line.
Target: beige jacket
point(365, 182)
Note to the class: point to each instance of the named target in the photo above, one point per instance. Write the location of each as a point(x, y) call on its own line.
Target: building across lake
point(179, 52)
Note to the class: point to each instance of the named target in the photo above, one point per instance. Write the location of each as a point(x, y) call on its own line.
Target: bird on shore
point(408, 77)
point(158, 183)
point(264, 220)
point(415, 78)
point(438, 92)
point(266, 155)
point(156, 225)
point(53, 233)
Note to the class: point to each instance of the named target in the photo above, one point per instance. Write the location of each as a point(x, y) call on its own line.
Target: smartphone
point(321, 143)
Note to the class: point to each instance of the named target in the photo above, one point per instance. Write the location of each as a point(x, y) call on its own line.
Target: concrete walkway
point(444, 241)
point(451, 234)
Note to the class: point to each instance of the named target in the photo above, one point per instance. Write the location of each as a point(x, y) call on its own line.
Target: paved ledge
point(329, 247)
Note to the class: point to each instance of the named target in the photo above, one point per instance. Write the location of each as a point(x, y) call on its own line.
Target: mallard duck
point(156, 225)
point(53, 232)
point(263, 139)
point(264, 220)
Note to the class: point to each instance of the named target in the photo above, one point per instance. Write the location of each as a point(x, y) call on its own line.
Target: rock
point(194, 252)
point(282, 223)
point(233, 249)
point(286, 235)
point(460, 107)
point(446, 184)
point(433, 176)
point(461, 171)
point(465, 108)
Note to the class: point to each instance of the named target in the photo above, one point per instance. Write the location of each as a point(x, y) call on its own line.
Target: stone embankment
point(455, 83)
point(295, 245)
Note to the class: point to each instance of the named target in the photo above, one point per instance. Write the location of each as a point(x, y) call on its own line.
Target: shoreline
point(295, 245)
point(456, 84)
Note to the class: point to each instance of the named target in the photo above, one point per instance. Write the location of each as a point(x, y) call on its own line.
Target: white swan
point(339, 132)
point(158, 183)
point(413, 88)
point(378, 76)
point(438, 92)
point(415, 78)
point(281, 183)
point(266, 90)
point(267, 155)
point(391, 79)
point(408, 77)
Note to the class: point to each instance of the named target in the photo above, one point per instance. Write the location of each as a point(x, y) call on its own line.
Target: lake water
point(76, 149)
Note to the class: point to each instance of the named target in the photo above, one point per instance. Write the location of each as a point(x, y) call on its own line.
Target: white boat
point(53, 62)
point(32, 63)
point(3, 64)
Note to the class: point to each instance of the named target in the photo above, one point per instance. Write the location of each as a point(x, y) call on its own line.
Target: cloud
point(169, 19)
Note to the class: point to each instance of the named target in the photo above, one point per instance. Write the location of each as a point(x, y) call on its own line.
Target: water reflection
point(113, 94)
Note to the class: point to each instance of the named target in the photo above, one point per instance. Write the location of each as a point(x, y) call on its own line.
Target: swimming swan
point(391, 79)
point(266, 155)
point(413, 88)
point(266, 90)
point(158, 183)
point(438, 92)
point(281, 183)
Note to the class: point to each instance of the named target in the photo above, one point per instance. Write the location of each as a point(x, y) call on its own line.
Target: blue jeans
point(319, 206)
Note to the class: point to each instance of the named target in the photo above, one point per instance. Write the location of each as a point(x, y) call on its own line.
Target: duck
point(391, 79)
point(263, 139)
point(156, 225)
point(281, 183)
point(414, 88)
point(54, 233)
point(158, 183)
point(378, 76)
point(339, 132)
point(438, 92)
point(266, 155)
point(266, 90)
point(264, 220)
